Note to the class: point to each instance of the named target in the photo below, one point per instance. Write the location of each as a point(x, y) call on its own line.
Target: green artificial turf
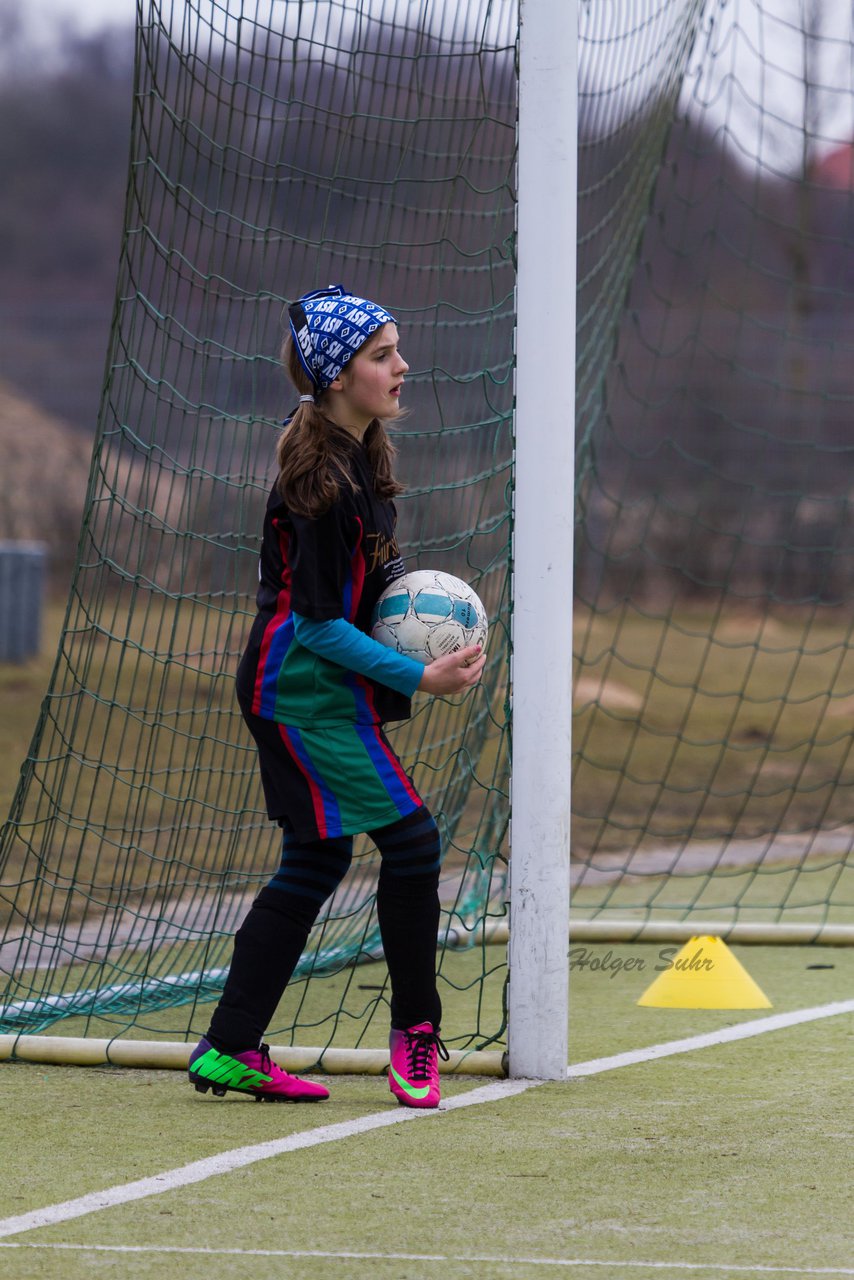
point(734, 1155)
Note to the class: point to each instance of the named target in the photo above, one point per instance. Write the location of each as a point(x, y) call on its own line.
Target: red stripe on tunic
point(283, 609)
point(357, 570)
point(314, 790)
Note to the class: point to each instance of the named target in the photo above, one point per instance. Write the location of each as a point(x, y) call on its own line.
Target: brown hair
point(311, 471)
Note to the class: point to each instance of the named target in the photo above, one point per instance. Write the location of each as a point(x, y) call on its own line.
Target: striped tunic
point(326, 764)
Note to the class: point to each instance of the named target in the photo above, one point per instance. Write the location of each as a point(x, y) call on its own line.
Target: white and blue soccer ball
point(428, 614)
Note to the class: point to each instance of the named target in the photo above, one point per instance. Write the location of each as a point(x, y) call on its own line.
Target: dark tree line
point(716, 446)
point(64, 138)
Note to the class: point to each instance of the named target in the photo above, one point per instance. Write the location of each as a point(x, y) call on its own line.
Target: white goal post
point(541, 672)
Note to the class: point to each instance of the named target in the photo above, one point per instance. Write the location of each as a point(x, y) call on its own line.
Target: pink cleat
point(413, 1075)
point(251, 1072)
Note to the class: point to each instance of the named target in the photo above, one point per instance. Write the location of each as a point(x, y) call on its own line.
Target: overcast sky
point(85, 15)
point(753, 86)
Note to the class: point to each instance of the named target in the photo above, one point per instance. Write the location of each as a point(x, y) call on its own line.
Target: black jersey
point(334, 566)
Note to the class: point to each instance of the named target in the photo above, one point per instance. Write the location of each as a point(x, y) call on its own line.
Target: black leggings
point(269, 943)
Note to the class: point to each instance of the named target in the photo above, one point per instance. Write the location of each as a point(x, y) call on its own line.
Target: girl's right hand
point(455, 672)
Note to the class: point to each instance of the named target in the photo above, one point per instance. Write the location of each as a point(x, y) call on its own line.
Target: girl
point(315, 690)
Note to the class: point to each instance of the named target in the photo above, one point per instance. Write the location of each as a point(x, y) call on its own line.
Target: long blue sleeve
point(339, 641)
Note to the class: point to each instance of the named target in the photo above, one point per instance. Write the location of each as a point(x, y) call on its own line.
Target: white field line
point(227, 1161)
point(297, 1254)
point(238, 1158)
point(741, 1031)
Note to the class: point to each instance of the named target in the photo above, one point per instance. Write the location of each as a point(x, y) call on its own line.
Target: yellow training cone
point(704, 975)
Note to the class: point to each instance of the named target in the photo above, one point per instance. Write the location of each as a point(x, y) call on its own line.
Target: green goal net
point(278, 147)
point(275, 149)
point(714, 668)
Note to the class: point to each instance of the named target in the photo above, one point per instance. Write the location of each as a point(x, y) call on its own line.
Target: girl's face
point(369, 386)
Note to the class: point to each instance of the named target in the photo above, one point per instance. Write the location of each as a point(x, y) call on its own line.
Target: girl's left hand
point(455, 672)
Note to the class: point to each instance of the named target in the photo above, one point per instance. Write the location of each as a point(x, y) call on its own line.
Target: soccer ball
point(428, 614)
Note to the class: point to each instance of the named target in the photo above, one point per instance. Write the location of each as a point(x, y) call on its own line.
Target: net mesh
point(714, 668)
point(273, 151)
point(278, 147)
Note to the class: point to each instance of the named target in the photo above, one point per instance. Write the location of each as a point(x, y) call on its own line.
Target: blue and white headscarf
point(329, 326)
